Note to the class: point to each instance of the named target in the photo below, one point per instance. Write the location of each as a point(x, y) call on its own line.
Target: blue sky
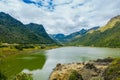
point(62, 16)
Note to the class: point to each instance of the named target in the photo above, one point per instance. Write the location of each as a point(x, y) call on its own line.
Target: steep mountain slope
point(13, 31)
point(105, 38)
point(40, 31)
point(110, 24)
point(91, 30)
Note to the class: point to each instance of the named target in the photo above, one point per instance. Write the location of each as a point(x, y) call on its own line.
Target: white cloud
point(65, 18)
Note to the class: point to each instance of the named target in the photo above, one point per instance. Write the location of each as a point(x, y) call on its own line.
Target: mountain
point(13, 31)
point(57, 36)
point(91, 30)
point(66, 38)
point(106, 36)
point(110, 24)
point(40, 31)
point(76, 34)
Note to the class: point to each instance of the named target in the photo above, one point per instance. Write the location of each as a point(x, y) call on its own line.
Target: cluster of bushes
point(24, 46)
point(17, 46)
point(20, 76)
point(2, 46)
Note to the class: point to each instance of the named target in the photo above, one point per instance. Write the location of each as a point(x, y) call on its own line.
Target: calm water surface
point(69, 55)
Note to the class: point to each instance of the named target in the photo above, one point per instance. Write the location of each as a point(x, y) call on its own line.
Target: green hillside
point(40, 31)
point(13, 31)
point(107, 38)
point(110, 24)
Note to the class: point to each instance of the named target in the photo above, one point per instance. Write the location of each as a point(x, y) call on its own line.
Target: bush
point(43, 47)
point(23, 76)
point(113, 71)
point(19, 47)
point(75, 76)
point(24, 46)
point(2, 76)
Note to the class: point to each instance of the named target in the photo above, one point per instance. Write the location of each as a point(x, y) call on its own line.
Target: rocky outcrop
point(92, 70)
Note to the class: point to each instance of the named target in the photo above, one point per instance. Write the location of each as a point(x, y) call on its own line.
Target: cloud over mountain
point(62, 16)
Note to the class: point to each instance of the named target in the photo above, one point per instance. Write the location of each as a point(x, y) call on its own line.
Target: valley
point(27, 49)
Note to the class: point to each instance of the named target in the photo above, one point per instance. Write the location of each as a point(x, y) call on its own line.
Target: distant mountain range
point(66, 38)
point(13, 31)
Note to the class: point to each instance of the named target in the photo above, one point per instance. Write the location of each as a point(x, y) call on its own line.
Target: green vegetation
point(75, 76)
point(13, 31)
point(24, 46)
point(113, 71)
point(7, 50)
point(110, 24)
point(40, 31)
point(2, 76)
point(14, 64)
point(23, 76)
point(107, 38)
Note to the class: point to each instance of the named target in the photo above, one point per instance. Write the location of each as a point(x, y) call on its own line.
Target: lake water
point(70, 55)
point(42, 63)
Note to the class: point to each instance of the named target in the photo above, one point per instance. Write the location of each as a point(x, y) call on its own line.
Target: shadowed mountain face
point(13, 31)
point(58, 37)
point(106, 36)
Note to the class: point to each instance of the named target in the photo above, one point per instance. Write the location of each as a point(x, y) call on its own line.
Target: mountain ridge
point(107, 38)
point(14, 31)
point(66, 38)
point(110, 23)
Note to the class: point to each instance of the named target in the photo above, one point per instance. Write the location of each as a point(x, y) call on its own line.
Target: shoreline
point(7, 51)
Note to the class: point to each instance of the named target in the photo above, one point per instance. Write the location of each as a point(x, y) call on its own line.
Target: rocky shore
point(92, 70)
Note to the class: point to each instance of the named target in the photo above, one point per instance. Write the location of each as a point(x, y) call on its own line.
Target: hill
point(13, 31)
point(40, 31)
point(107, 36)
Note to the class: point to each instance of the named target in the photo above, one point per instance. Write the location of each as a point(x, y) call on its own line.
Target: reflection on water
point(15, 64)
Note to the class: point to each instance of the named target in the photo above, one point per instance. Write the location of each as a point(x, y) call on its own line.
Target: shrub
point(75, 76)
point(113, 71)
point(19, 47)
point(2, 76)
point(23, 76)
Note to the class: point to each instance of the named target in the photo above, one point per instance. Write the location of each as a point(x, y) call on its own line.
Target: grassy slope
point(13, 31)
point(108, 38)
point(110, 24)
